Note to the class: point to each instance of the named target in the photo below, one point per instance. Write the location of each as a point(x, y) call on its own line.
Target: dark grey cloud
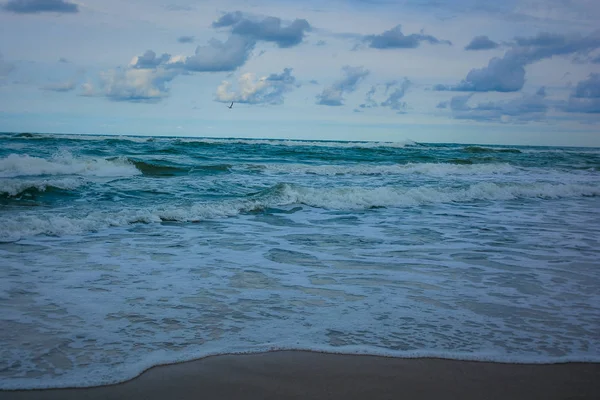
point(395, 39)
point(393, 101)
point(507, 73)
point(285, 77)
point(481, 43)
point(216, 56)
point(585, 97)
point(149, 60)
point(185, 39)
point(266, 90)
point(269, 29)
point(219, 56)
point(39, 6)
point(522, 109)
point(333, 95)
point(501, 75)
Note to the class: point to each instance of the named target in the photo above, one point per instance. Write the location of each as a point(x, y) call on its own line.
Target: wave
point(209, 141)
point(64, 163)
point(94, 376)
point(480, 149)
point(82, 137)
point(157, 169)
point(13, 188)
point(351, 198)
point(432, 169)
point(285, 194)
point(297, 143)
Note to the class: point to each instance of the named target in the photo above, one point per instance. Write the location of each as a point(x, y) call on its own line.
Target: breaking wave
point(284, 194)
point(64, 163)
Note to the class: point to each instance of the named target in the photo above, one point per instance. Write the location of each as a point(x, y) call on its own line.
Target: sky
point(524, 72)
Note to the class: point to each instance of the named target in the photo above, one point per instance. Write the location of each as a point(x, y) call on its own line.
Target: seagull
point(230, 105)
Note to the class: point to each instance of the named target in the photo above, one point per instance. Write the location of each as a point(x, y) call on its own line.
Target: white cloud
point(264, 90)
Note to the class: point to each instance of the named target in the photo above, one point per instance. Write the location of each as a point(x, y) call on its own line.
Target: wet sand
point(307, 375)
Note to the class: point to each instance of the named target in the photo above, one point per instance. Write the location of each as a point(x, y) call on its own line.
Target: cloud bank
point(507, 73)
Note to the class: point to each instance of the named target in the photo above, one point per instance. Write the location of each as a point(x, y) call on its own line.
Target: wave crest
point(64, 163)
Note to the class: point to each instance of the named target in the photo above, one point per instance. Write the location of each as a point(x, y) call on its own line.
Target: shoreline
point(315, 375)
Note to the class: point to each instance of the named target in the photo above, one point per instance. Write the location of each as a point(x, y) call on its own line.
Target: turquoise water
point(119, 253)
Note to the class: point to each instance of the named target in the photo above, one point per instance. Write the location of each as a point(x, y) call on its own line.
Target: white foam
point(64, 163)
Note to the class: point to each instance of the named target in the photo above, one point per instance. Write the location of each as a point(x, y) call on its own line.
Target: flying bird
point(230, 106)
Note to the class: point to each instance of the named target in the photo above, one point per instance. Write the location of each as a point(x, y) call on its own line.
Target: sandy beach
point(307, 375)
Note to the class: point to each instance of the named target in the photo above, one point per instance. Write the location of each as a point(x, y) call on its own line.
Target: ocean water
point(120, 253)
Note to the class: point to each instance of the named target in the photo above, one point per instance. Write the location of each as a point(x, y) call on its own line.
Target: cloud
point(219, 56)
point(395, 39)
point(185, 39)
point(522, 109)
point(147, 76)
point(500, 75)
point(216, 56)
point(61, 86)
point(369, 101)
point(135, 85)
point(393, 101)
point(228, 19)
point(333, 95)
point(266, 90)
point(39, 6)
point(481, 43)
point(542, 39)
point(585, 97)
point(149, 60)
point(269, 29)
point(507, 74)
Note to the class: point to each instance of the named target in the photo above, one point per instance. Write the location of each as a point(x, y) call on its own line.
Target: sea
point(119, 253)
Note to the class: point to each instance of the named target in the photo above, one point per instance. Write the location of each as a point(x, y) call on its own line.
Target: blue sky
point(511, 72)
